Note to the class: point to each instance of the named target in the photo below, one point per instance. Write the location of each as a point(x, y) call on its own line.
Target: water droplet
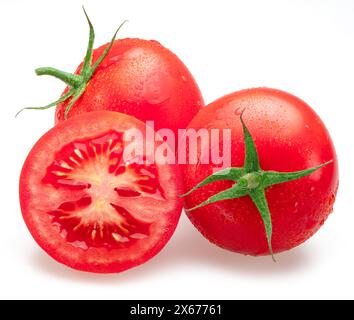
point(108, 62)
point(238, 111)
point(60, 114)
point(157, 88)
point(332, 199)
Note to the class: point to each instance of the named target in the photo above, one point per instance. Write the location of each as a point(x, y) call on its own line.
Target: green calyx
point(252, 181)
point(76, 82)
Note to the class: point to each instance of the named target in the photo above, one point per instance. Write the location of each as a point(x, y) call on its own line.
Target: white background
point(304, 47)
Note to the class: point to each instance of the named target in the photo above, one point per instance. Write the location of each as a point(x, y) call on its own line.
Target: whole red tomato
point(289, 136)
point(143, 79)
point(132, 76)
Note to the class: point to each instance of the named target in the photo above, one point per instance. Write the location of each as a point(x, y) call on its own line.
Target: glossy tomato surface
point(92, 206)
point(143, 79)
point(289, 136)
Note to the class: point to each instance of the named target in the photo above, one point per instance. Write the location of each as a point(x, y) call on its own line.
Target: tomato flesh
point(82, 196)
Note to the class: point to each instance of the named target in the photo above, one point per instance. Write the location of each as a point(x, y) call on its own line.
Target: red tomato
point(143, 79)
point(90, 208)
point(289, 136)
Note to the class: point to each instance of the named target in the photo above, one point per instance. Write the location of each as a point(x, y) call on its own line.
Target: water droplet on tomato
point(59, 114)
point(157, 88)
point(332, 199)
point(110, 61)
point(322, 222)
point(238, 111)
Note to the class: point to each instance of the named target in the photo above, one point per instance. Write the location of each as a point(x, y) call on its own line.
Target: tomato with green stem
point(133, 76)
point(92, 206)
point(283, 180)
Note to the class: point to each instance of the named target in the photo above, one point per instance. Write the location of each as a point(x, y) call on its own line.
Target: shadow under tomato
point(186, 249)
point(190, 247)
point(45, 263)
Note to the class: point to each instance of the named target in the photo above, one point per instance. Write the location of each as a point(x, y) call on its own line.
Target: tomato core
point(96, 166)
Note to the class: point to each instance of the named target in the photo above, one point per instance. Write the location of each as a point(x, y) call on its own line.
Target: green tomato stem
point(76, 82)
point(70, 79)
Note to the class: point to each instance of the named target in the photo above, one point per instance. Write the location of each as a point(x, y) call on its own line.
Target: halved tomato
point(91, 208)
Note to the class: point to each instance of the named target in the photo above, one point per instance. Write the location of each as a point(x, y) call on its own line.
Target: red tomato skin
point(93, 260)
point(289, 136)
point(143, 79)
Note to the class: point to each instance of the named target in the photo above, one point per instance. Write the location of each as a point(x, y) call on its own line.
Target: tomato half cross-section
point(90, 204)
point(283, 178)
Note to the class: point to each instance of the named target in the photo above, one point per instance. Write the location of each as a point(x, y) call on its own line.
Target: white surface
point(304, 47)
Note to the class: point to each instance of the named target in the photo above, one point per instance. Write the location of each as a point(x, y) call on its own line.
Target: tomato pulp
point(289, 136)
point(91, 208)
